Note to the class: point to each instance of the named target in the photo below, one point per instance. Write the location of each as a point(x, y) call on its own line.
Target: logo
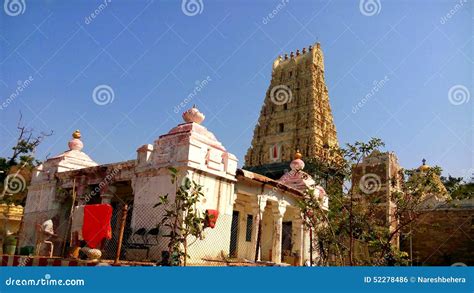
point(370, 7)
point(14, 183)
point(103, 95)
point(192, 7)
point(281, 94)
point(370, 183)
point(458, 95)
point(14, 7)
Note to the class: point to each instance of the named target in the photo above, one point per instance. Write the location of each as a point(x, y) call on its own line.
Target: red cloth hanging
point(96, 225)
point(211, 218)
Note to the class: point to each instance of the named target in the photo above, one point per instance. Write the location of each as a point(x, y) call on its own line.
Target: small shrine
point(75, 204)
point(301, 180)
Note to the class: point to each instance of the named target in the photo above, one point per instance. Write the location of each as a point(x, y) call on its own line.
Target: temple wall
point(214, 245)
point(41, 197)
point(218, 195)
point(246, 249)
point(40, 206)
point(146, 194)
point(196, 154)
point(442, 237)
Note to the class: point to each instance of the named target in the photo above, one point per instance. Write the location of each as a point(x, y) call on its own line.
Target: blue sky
point(152, 55)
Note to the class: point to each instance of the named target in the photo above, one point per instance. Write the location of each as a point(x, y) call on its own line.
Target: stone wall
point(442, 238)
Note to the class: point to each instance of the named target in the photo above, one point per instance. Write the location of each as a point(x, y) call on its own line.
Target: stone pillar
point(278, 214)
point(298, 232)
point(108, 195)
point(306, 245)
point(82, 193)
point(258, 208)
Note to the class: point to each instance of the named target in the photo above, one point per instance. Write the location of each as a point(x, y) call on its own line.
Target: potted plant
point(9, 246)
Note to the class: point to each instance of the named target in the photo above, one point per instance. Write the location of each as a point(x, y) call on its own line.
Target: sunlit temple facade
point(258, 217)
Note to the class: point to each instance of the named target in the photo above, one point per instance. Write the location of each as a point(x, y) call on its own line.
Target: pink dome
point(193, 115)
point(297, 164)
point(75, 144)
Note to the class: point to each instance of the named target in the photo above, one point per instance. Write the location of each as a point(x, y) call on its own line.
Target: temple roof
point(300, 180)
point(193, 119)
point(71, 159)
point(200, 132)
point(263, 179)
point(192, 145)
point(75, 156)
point(297, 178)
point(432, 195)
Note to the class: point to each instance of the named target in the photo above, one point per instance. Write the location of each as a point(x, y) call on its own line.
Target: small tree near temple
point(354, 220)
point(182, 217)
point(316, 220)
point(333, 227)
point(15, 170)
point(459, 187)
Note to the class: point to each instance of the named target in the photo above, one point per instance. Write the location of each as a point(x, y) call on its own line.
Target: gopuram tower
point(296, 115)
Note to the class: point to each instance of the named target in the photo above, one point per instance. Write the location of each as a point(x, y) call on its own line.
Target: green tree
point(332, 228)
point(182, 217)
point(458, 188)
point(353, 224)
point(15, 170)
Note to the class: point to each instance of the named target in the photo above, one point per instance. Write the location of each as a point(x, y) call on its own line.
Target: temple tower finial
point(75, 144)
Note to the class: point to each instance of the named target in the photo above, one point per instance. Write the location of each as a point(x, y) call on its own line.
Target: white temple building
point(258, 217)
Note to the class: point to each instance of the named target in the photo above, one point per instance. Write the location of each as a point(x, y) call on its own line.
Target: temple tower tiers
point(296, 114)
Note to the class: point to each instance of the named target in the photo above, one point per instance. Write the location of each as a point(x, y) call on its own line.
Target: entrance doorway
point(286, 239)
point(234, 234)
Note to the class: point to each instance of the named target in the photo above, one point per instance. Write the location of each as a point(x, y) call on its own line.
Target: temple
point(253, 214)
point(258, 219)
point(296, 115)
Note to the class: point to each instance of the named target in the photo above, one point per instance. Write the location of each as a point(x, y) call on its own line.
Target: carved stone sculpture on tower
point(296, 114)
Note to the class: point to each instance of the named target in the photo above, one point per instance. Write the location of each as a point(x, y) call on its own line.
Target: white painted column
point(298, 226)
point(278, 214)
point(258, 209)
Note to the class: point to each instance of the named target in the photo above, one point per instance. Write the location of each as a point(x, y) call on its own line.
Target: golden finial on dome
point(76, 134)
point(298, 155)
point(424, 167)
